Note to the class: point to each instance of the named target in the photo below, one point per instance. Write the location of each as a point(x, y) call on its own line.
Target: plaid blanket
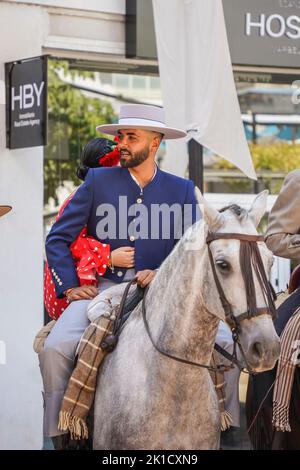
point(287, 364)
point(80, 392)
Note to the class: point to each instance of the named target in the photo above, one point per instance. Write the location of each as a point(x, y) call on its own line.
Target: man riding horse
point(117, 206)
point(141, 183)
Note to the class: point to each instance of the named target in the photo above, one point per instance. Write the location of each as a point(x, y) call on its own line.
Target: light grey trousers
point(58, 356)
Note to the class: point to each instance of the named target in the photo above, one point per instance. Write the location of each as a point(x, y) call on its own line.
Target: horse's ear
point(212, 217)
point(259, 206)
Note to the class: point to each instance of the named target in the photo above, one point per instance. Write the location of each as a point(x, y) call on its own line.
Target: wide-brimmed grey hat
point(4, 210)
point(142, 116)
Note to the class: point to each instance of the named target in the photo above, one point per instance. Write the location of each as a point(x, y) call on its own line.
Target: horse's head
point(236, 285)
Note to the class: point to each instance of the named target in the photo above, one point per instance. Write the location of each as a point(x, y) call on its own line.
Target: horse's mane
point(237, 210)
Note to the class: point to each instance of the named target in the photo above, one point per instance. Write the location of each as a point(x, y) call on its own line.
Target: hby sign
point(26, 102)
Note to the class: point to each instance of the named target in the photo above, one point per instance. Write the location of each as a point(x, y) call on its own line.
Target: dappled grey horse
point(145, 400)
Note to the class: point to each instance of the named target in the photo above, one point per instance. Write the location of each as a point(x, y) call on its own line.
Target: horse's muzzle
point(262, 355)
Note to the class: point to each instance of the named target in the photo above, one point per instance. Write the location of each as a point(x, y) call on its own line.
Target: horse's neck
point(178, 319)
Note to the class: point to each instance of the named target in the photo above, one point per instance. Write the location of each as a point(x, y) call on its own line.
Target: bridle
point(249, 258)
point(249, 255)
point(249, 244)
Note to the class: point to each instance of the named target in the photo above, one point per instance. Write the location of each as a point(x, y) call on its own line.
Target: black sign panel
point(26, 102)
point(264, 32)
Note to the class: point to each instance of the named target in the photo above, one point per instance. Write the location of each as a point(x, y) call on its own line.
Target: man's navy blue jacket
point(97, 198)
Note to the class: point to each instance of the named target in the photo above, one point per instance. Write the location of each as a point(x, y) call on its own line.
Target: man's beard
point(134, 159)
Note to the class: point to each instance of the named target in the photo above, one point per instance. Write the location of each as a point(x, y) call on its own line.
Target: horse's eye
point(223, 266)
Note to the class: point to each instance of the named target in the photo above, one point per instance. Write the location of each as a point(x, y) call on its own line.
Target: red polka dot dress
point(91, 257)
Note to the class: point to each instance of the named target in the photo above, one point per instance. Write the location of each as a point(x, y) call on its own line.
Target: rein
point(110, 341)
point(249, 256)
point(218, 368)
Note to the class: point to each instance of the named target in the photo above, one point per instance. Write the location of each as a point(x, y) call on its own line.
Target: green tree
point(73, 118)
point(281, 157)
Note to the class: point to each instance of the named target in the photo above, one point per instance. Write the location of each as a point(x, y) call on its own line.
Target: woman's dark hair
point(92, 153)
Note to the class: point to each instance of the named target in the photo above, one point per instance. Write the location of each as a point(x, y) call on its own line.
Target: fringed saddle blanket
point(287, 363)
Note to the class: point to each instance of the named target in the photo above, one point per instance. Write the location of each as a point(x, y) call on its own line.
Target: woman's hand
point(143, 278)
point(123, 257)
point(82, 293)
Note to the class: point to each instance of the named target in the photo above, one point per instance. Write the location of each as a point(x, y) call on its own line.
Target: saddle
point(128, 304)
point(125, 310)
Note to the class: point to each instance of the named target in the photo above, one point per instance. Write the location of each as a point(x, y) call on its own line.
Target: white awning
point(198, 88)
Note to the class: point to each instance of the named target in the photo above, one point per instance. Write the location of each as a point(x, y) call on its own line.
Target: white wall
point(28, 29)
point(21, 243)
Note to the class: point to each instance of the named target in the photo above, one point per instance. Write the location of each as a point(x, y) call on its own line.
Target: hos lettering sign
point(260, 32)
point(26, 102)
point(263, 32)
point(274, 25)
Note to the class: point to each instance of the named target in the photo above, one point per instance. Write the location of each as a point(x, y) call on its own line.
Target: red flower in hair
point(112, 158)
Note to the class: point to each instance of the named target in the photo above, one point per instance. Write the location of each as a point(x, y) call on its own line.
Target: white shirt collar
point(136, 181)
